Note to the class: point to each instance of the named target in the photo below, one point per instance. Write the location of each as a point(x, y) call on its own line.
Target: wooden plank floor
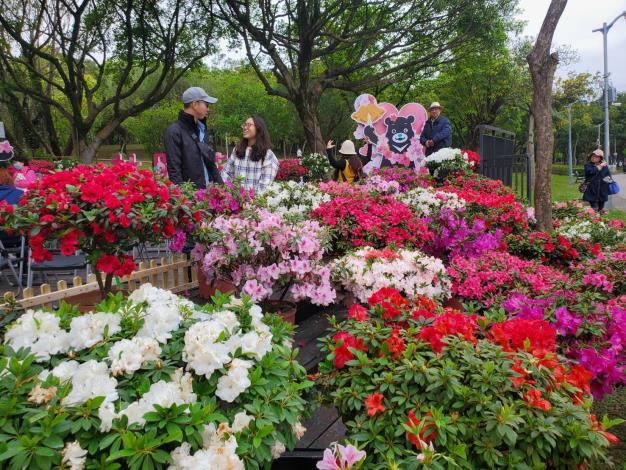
point(325, 425)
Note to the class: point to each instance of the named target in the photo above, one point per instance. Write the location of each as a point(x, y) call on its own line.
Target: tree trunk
point(88, 152)
point(542, 65)
point(307, 110)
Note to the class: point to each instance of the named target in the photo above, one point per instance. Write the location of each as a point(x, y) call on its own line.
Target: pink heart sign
point(394, 134)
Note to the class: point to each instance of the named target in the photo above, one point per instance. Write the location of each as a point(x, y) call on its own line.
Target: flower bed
point(154, 382)
point(419, 382)
point(367, 270)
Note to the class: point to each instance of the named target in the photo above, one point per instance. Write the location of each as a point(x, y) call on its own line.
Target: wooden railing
point(176, 274)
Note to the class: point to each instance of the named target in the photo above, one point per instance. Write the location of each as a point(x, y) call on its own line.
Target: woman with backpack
point(348, 165)
point(597, 179)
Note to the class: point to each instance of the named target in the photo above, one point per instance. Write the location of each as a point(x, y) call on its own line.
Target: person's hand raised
point(330, 144)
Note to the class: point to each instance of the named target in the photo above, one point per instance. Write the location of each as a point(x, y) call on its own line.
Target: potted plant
point(444, 161)
point(263, 254)
point(102, 211)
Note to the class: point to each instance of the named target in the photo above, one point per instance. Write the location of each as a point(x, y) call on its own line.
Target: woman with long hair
point(252, 159)
point(596, 176)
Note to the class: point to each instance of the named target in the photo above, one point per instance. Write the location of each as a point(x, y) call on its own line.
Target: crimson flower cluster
point(367, 221)
point(291, 169)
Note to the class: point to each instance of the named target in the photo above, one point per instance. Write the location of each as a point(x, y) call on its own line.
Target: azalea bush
point(591, 330)
point(490, 277)
point(262, 252)
point(291, 200)
point(605, 273)
point(414, 382)
point(454, 235)
point(551, 247)
point(490, 200)
point(365, 220)
point(377, 184)
point(430, 201)
point(447, 160)
point(473, 158)
point(367, 270)
point(407, 178)
point(607, 233)
point(152, 382)
point(291, 169)
point(102, 211)
point(229, 198)
point(317, 165)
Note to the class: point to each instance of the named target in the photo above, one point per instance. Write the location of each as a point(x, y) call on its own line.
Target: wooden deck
point(325, 425)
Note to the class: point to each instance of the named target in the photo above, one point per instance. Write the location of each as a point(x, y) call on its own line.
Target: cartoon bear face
point(399, 133)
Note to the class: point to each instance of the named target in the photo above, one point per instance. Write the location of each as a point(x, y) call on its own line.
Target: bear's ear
point(410, 119)
point(388, 121)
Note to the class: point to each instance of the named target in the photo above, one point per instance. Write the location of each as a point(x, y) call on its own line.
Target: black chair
point(12, 257)
point(57, 265)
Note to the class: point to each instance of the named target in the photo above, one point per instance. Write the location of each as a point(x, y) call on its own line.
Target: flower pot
point(208, 287)
point(455, 303)
point(87, 301)
point(348, 299)
point(285, 308)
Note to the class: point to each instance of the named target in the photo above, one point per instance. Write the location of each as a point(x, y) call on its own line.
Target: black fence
point(499, 161)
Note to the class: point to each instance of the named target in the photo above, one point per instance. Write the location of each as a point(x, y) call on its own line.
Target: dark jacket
point(439, 131)
point(186, 154)
point(597, 189)
point(10, 194)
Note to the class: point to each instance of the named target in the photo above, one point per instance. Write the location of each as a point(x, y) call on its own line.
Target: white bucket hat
point(347, 148)
point(434, 104)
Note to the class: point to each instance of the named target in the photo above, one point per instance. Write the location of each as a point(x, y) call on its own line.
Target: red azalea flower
point(533, 398)
point(524, 375)
point(427, 432)
point(374, 404)
point(358, 312)
point(448, 324)
point(108, 264)
point(344, 342)
point(580, 378)
point(395, 345)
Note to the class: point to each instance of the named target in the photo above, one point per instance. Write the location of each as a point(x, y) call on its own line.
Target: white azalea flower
point(74, 456)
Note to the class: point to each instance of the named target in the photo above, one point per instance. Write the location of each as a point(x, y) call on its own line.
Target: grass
point(562, 191)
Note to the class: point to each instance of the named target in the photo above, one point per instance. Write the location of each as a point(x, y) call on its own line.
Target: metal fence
point(498, 161)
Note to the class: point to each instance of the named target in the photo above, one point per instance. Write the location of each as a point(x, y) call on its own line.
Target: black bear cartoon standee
point(399, 132)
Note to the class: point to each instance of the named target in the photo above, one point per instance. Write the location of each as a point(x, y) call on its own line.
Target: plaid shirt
point(257, 175)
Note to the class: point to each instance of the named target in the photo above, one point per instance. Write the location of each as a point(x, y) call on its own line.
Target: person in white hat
point(348, 166)
point(188, 154)
point(437, 132)
point(596, 189)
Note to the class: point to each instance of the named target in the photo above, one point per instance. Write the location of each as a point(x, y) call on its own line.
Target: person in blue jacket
point(596, 178)
point(8, 193)
point(437, 132)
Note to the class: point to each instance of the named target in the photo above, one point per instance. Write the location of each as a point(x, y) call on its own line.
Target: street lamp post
point(605, 31)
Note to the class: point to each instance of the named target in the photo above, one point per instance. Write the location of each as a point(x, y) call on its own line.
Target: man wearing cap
point(437, 132)
point(189, 156)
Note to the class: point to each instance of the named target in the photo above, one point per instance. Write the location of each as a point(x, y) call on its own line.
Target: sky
point(575, 29)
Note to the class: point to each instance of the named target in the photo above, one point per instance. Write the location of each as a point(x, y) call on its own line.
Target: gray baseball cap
point(197, 94)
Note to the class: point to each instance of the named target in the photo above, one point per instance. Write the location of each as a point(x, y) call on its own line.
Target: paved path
point(619, 200)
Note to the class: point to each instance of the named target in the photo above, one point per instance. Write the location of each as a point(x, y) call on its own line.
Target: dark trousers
point(597, 205)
